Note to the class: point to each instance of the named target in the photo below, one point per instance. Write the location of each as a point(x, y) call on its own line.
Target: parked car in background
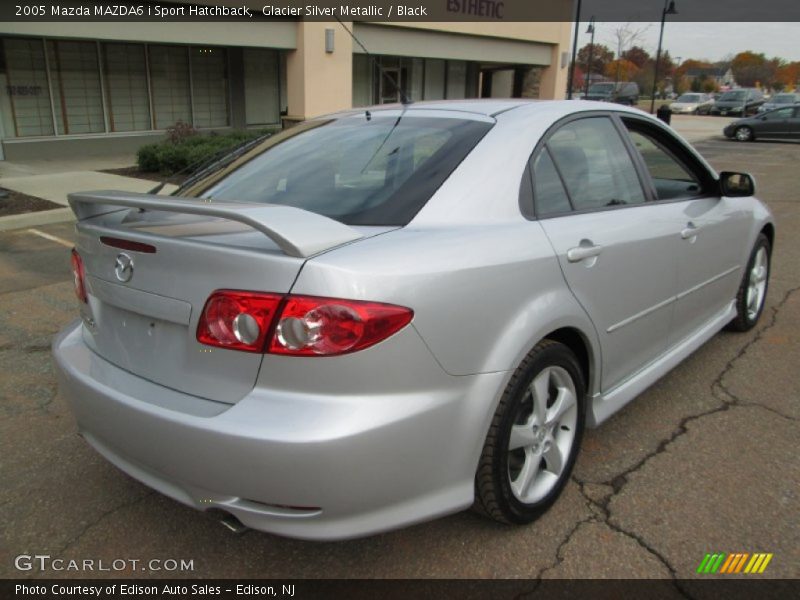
point(779, 124)
point(392, 313)
point(692, 104)
point(743, 101)
point(622, 92)
point(780, 100)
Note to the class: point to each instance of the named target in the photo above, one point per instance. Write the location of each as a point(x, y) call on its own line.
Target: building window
point(66, 87)
point(75, 82)
point(26, 91)
point(125, 70)
point(434, 79)
point(261, 90)
point(209, 87)
point(362, 80)
point(169, 81)
point(456, 79)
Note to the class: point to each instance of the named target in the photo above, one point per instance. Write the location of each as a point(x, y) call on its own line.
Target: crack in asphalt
point(92, 524)
point(718, 386)
point(620, 480)
point(721, 392)
point(603, 516)
point(36, 348)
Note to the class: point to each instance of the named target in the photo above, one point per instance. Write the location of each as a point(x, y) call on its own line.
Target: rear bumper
point(311, 466)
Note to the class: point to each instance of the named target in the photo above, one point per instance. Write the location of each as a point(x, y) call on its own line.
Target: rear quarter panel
point(482, 295)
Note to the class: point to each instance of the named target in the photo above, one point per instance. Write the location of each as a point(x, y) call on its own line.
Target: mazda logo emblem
point(123, 267)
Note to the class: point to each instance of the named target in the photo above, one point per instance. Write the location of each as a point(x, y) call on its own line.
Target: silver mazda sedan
point(390, 314)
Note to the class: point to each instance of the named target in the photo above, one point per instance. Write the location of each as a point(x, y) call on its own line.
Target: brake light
point(78, 276)
point(310, 326)
point(238, 320)
point(296, 325)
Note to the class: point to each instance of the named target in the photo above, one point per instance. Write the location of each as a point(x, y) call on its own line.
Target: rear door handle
point(690, 231)
point(579, 253)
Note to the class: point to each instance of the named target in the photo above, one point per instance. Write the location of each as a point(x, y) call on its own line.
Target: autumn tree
point(637, 55)
point(789, 75)
point(601, 56)
point(751, 68)
point(621, 70)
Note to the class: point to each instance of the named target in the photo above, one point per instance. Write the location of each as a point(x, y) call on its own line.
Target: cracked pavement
point(704, 461)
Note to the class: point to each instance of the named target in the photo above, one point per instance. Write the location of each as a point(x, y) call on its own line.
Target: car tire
point(542, 413)
point(744, 134)
point(752, 293)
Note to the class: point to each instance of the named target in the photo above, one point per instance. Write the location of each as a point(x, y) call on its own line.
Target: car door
point(615, 251)
point(708, 230)
point(794, 124)
point(774, 124)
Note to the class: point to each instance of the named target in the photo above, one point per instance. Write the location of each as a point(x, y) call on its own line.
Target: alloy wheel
point(757, 283)
point(542, 436)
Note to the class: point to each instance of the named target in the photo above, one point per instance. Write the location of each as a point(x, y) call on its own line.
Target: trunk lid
point(144, 307)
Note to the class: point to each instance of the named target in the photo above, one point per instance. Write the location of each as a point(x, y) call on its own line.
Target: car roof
point(492, 107)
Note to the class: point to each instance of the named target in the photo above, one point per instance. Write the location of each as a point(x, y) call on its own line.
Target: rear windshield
point(361, 170)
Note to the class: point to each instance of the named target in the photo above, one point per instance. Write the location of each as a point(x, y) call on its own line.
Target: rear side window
point(360, 170)
point(595, 165)
point(548, 191)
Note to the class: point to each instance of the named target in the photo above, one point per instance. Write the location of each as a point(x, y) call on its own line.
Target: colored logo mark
point(737, 562)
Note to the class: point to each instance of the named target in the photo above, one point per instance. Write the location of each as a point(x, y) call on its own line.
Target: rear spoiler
point(297, 232)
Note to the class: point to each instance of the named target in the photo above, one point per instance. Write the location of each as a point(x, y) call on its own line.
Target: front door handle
point(582, 252)
point(690, 231)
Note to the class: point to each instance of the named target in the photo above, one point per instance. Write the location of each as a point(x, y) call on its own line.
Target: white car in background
point(692, 104)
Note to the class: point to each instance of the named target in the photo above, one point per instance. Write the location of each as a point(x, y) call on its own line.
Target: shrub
point(179, 132)
point(190, 150)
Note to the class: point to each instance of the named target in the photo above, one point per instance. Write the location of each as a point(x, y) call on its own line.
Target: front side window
point(671, 177)
point(361, 170)
point(595, 165)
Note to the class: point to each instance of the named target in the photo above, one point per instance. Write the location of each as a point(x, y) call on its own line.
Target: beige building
point(95, 88)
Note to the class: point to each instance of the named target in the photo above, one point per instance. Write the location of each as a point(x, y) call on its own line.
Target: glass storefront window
point(456, 79)
point(434, 79)
point(209, 87)
point(75, 82)
point(126, 87)
point(26, 91)
point(261, 93)
point(169, 81)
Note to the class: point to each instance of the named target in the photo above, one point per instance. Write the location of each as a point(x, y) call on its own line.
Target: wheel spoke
point(540, 389)
point(553, 458)
point(528, 473)
point(564, 401)
point(751, 296)
point(521, 437)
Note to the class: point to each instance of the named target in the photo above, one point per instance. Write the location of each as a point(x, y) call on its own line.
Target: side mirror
point(736, 185)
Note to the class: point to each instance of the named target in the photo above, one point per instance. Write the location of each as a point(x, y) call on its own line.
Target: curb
point(33, 219)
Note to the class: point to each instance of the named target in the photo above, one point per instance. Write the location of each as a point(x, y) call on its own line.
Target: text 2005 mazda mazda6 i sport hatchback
point(390, 314)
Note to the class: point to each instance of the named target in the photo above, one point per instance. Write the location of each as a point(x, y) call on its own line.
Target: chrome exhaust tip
point(233, 524)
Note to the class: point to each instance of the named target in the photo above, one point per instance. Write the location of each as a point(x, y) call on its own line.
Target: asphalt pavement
point(704, 461)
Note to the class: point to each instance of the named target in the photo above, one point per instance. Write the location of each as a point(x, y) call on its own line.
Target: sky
point(711, 41)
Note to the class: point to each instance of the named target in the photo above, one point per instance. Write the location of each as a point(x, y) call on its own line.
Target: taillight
point(238, 320)
point(296, 325)
point(78, 276)
point(311, 326)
